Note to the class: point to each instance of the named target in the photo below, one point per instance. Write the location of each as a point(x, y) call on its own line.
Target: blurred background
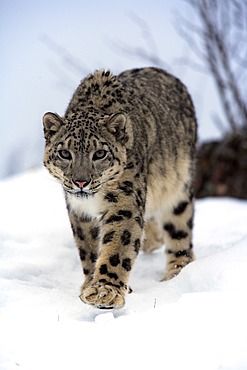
point(48, 46)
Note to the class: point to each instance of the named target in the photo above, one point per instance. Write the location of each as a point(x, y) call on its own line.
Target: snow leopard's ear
point(116, 124)
point(52, 123)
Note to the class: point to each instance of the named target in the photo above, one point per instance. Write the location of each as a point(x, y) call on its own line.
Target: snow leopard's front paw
point(103, 296)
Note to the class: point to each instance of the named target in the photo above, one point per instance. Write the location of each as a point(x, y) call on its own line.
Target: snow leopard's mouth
point(82, 193)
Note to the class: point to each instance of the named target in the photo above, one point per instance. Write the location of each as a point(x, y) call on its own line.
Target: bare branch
point(218, 123)
point(192, 41)
point(149, 54)
point(67, 58)
point(193, 65)
point(222, 42)
point(142, 53)
point(146, 32)
point(216, 46)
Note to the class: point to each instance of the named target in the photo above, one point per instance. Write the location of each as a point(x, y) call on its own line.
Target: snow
point(195, 321)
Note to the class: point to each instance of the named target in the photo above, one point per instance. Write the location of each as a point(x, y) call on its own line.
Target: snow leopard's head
point(86, 149)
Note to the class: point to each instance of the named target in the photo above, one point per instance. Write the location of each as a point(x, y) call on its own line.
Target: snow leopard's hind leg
point(177, 226)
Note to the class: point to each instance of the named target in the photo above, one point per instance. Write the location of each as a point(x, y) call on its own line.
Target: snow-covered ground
point(197, 321)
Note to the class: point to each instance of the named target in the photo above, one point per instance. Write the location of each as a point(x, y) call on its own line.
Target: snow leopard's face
point(85, 151)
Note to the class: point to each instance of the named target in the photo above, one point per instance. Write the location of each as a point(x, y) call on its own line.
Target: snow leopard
point(124, 153)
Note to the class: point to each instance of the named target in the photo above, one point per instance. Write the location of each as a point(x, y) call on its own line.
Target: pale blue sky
point(36, 76)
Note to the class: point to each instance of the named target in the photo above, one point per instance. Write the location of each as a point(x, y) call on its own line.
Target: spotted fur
point(124, 153)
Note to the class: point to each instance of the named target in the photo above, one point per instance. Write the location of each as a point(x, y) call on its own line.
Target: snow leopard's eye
point(65, 154)
point(99, 154)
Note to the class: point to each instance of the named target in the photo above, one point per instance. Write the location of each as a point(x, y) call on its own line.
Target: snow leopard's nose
point(81, 183)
